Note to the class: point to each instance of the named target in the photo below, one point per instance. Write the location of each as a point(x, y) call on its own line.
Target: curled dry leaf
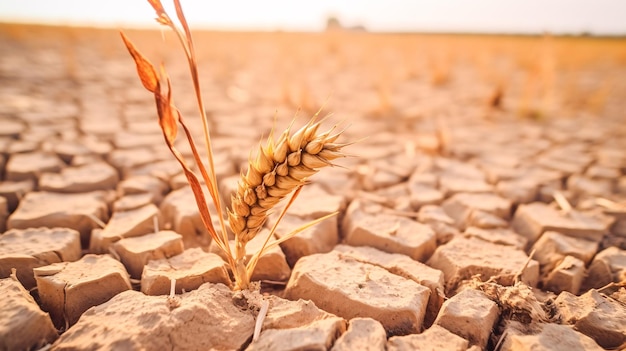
point(145, 70)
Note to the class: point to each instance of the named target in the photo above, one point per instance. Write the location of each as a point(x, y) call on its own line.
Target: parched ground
point(483, 205)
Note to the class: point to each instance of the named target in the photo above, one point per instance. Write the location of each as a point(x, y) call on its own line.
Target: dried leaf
point(168, 114)
point(145, 69)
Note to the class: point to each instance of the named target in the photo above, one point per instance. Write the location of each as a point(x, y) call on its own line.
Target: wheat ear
point(278, 169)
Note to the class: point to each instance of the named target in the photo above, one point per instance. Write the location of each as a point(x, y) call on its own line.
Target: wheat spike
point(277, 170)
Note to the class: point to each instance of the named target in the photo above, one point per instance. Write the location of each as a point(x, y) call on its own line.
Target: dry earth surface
point(484, 206)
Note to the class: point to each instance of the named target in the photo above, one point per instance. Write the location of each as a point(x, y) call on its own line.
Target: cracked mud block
point(180, 213)
point(385, 172)
point(314, 202)
point(46, 209)
point(485, 220)
point(165, 169)
point(127, 140)
point(205, 319)
point(405, 267)
point(496, 173)
point(519, 191)
point(67, 289)
point(89, 146)
point(320, 238)
point(439, 221)
point(598, 171)
point(428, 143)
point(431, 213)
point(521, 337)
point(11, 128)
point(434, 338)
point(395, 197)
point(311, 204)
point(31, 165)
point(35, 247)
point(377, 178)
point(23, 325)
point(568, 276)
point(297, 325)
point(532, 220)
point(619, 295)
point(180, 181)
point(190, 269)
point(271, 266)
point(595, 315)
point(424, 175)
point(609, 265)
point(364, 334)
point(611, 156)
point(4, 214)
point(451, 184)
point(23, 147)
point(137, 251)
point(423, 195)
point(350, 289)
point(102, 127)
point(581, 186)
point(15, 191)
point(95, 176)
point(500, 236)
point(619, 228)
point(122, 225)
point(533, 182)
point(365, 225)
point(462, 206)
point(566, 159)
point(454, 167)
point(132, 202)
point(86, 160)
point(143, 127)
point(462, 258)
point(126, 159)
point(337, 181)
point(471, 315)
point(552, 247)
point(142, 185)
point(621, 184)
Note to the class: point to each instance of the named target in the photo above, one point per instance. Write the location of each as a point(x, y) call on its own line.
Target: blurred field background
point(406, 76)
point(400, 80)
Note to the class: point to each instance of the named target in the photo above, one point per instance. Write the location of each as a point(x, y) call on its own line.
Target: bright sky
point(556, 16)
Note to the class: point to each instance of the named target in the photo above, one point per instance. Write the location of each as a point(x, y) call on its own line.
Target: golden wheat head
point(277, 170)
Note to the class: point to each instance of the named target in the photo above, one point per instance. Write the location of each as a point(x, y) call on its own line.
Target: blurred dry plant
point(280, 167)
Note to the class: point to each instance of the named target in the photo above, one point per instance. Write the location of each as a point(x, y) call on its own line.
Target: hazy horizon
point(458, 16)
